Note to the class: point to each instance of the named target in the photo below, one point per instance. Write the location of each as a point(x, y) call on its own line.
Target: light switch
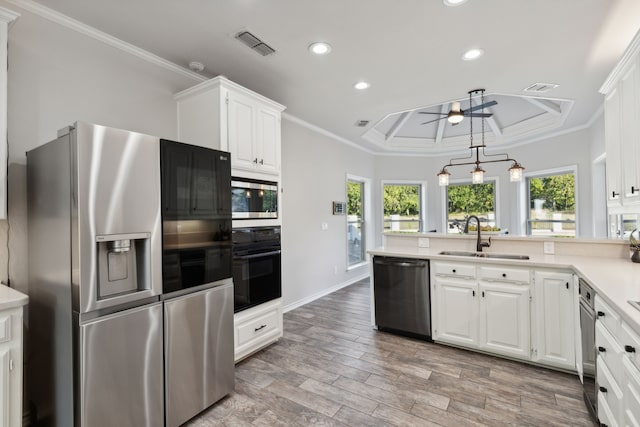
point(549, 248)
point(325, 226)
point(423, 242)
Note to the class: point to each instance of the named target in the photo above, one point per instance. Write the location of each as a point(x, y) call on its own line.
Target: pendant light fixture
point(477, 174)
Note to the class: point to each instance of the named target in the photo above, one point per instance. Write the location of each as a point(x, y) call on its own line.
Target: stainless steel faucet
point(479, 244)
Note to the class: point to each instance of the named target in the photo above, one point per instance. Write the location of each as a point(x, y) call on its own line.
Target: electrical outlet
point(549, 248)
point(423, 242)
point(325, 226)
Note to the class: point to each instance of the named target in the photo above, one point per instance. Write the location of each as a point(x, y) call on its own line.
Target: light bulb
point(443, 178)
point(477, 175)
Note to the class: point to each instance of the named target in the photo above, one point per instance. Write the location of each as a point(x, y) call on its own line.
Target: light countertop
point(615, 280)
point(10, 298)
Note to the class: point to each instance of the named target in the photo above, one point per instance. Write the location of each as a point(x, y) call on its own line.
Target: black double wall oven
point(257, 272)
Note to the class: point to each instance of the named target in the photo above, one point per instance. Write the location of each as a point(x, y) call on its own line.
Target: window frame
point(525, 202)
point(422, 203)
point(445, 199)
point(365, 220)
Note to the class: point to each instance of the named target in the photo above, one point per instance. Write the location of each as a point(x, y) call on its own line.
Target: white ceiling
point(409, 50)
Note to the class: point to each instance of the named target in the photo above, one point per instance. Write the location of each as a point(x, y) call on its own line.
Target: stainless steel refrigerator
point(95, 278)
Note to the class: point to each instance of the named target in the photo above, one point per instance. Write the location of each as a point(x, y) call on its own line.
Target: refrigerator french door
point(197, 283)
point(95, 279)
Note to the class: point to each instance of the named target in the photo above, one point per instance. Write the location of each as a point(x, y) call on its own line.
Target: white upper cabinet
point(6, 18)
point(622, 131)
point(223, 115)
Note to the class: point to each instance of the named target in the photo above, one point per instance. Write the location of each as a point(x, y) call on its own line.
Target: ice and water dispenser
point(123, 264)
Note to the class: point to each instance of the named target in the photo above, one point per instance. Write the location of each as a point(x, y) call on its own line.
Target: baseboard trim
point(323, 293)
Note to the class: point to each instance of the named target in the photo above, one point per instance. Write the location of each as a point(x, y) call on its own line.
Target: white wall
point(314, 170)
point(56, 77)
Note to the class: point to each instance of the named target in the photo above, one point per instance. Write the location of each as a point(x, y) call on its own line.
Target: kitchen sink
point(484, 255)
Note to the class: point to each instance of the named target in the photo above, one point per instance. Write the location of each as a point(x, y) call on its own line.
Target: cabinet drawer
point(503, 274)
point(631, 393)
point(609, 351)
point(630, 343)
point(5, 328)
point(452, 269)
point(605, 416)
point(609, 389)
point(257, 327)
point(606, 315)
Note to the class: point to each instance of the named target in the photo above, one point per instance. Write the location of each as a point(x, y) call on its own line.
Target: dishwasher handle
point(400, 262)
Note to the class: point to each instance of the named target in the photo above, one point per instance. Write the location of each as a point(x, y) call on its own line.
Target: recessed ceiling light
point(361, 85)
point(472, 54)
point(320, 48)
point(453, 2)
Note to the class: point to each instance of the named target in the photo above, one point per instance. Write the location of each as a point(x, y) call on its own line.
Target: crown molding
point(7, 15)
point(75, 25)
point(622, 66)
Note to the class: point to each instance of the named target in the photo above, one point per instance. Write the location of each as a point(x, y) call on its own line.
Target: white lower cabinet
point(618, 369)
point(500, 310)
point(554, 322)
point(457, 311)
point(257, 327)
point(505, 319)
point(490, 314)
point(11, 367)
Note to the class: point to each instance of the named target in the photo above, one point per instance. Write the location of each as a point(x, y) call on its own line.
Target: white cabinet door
point(5, 400)
point(242, 136)
point(457, 312)
point(268, 141)
point(612, 124)
point(504, 319)
point(554, 313)
point(630, 113)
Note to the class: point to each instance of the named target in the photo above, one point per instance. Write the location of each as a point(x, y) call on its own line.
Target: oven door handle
point(260, 255)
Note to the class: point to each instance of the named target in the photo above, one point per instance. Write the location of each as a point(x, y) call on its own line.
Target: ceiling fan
point(456, 114)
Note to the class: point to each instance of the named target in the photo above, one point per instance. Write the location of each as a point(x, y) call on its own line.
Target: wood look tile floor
point(332, 369)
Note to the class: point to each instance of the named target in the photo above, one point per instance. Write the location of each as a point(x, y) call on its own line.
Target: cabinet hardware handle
point(614, 194)
point(504, 274)
point(629, 349)
point(567, 284)
point(261, 327)
point(601, 314)
point(602, 349)
point(602, 389)
point(634, 189)
point(453, 270)
point(482, 294)
point(603, 425)
point(473, 293)
point(262, 161)
point(255, 160)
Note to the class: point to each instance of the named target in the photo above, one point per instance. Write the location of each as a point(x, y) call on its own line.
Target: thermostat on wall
point(339, 208)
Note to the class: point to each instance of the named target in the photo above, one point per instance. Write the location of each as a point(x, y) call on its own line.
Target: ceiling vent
point(540, 87)
point(255, 43)
point(362, 123)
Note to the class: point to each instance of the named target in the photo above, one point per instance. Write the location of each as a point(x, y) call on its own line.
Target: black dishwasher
point(402, 296)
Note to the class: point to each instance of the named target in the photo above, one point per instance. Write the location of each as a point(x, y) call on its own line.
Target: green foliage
point(354, 198)
point(401, 200)
point(471, 198)
point(558, 192)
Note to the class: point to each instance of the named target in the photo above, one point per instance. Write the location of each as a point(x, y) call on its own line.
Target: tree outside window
point(465, 199)
point(401, 206)
point(552, 205)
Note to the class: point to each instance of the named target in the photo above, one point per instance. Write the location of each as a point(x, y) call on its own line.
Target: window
point(402, 207)
point(355, 222)
point(466, 199)
point(551, 204)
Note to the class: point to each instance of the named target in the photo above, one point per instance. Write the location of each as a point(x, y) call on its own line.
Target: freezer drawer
point(121, 369)
point(199, 366)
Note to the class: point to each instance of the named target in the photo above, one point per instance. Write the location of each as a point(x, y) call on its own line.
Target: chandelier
point(477, 174)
